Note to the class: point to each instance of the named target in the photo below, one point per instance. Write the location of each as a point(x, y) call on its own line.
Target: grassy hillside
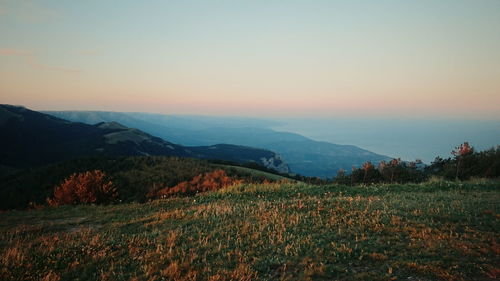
point(133, 176)
point(432, 231)
point(253, 172)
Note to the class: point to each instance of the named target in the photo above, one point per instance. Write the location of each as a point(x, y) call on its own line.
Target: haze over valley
point(420, 138)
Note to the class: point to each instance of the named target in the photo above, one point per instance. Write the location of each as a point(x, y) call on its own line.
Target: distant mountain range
point(31, 138)
point(303, 155)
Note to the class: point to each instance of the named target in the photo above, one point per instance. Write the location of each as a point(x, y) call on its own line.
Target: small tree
point(353, 174)
point(393, 167)
point(367, 167)
point(460, 152)
point(341, 177)
point(87, 187)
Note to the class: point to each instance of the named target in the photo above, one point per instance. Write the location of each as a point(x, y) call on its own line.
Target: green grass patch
point(253, 172)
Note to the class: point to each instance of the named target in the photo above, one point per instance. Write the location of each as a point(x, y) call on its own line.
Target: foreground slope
point(133, 176)
point(433, 231)
point(31, 138)
point(304, 156)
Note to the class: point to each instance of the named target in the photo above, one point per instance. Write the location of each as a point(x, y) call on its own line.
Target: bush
point(91, 187)
point(201, 183)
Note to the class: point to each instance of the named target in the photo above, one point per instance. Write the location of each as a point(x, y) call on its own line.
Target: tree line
point(465, 163)
point(136, 179)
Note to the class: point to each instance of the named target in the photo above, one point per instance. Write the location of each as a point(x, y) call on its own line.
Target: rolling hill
point(303, 155)
point(134, 176)
point(31, 138)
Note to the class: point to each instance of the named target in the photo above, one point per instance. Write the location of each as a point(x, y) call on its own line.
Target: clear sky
point(438, 58)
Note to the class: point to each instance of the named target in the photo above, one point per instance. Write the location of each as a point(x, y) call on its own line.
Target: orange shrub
point(201, 183)
point(87, 187)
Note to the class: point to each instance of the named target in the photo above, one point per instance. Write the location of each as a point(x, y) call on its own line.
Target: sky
point(269, 58)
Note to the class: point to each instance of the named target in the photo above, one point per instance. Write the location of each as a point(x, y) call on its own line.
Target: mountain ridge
point(304, 156)
point(59, 139)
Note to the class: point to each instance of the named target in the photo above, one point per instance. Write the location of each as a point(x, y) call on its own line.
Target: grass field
point(433, 231)
point(253, 172)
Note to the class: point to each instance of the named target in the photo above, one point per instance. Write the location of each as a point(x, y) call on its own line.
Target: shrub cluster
point(91, 187)
point(201, 183)
point(394, 171)
point(465, 164)
point(133, 176)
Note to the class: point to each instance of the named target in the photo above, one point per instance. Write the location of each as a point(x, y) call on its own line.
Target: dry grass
point(436, 231)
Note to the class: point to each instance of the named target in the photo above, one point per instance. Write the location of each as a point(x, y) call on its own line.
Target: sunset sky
point(436, 58)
